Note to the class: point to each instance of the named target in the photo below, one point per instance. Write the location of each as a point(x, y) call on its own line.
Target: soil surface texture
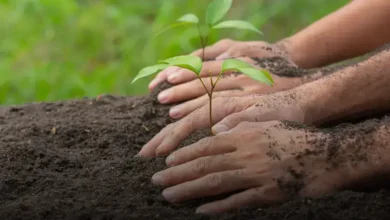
point(74, 160)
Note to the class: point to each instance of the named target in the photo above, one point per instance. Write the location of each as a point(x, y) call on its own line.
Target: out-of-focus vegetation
point(60, 49)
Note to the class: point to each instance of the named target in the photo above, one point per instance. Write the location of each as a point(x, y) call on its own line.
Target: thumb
point(233, 120)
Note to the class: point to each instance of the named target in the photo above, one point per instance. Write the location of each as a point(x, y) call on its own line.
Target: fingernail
point(153, 84)
point(201, 210)
point(173, 77)
point(222, 56)
point(219, 128)
point(163, 96)
point(170, 160)
point(168, 194)
point(175, 112)
point(157, 179)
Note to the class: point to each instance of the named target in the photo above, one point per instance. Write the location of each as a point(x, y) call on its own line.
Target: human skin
point(274, 155)
point(346, 93)
point(340, 35)
point(256, 153)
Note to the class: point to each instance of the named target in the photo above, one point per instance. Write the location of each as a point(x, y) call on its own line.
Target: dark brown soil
point(74, 160)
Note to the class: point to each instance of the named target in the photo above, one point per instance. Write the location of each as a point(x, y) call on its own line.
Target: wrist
point(361, 152)
point(294, 54)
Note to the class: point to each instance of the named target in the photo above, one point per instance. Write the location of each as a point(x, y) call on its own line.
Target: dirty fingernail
point(170, 160)
point(175, 112)
point(163, 96)
point(157, 179)
point(219, 128)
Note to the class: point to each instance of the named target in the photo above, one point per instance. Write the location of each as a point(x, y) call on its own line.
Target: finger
point(214, 50)
point(149, 149)
point(210, 68)
point(162, 76)
point(252, 114)
point(194, 89)
point(210, 185)
point(222, 106)
point(186, 108)
point(224, 56)
point(205, 147)
point(194, 169)
point(255, 196)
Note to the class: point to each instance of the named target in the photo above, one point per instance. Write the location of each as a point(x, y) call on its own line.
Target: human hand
point(221, 50)
point(277, 106)
point(228, 86)
point(267, 162)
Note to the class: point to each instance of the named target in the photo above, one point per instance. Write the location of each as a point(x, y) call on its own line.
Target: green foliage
point(247, 69)
point(189, 62)
point(56, 50)
point(149, 71)
point(189, 18)
point(216, 10)
point(238, 25)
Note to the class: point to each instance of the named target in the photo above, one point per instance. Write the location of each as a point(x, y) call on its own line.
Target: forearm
point(353, 30)
point(352, 91)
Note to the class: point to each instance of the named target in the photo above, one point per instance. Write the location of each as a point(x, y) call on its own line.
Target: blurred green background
point(60, 49)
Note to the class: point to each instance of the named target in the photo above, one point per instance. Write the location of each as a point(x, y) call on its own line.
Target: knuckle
point(250, 155)
point(200, 167)
point(203, 146)
point(214, 181)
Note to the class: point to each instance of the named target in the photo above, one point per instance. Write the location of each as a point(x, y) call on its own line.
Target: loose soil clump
point(74, 160)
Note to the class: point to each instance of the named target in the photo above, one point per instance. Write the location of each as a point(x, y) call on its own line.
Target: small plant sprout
point(215, 12)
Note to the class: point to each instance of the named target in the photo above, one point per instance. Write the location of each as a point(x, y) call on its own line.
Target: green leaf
point(149, 71)
point(238, 25)
point(216, 10)
point(189, 62)
point(170, 27)
point(258, 75)
point(189, 18)
point(229, 64)
point(247, 69)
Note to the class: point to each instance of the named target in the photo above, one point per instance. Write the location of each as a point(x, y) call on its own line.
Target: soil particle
point(86, 169)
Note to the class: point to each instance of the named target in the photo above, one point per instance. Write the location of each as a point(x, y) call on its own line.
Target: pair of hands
point(252, 152)
point(188, 88)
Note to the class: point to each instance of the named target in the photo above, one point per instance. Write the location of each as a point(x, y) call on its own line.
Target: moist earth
point(75, 160)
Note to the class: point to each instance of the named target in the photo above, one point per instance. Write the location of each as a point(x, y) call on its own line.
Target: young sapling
point(215, 12)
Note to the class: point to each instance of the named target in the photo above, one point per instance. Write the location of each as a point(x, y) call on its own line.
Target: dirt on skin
point(74, 160)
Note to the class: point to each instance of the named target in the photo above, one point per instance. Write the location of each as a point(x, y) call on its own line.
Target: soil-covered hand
point(287, 105)
point(219, 51)
point(265, 162)
point(228, 86)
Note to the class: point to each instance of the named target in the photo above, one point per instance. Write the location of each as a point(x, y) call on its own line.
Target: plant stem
point(202, 43)
point(211, 111)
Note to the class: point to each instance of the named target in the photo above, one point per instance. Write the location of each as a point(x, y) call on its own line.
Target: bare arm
point(351, 31)
point(355, 90)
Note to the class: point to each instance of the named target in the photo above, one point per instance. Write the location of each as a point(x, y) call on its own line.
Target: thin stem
point(211, 111)
point(215, 84)
point(204, 86)
point(202, 43)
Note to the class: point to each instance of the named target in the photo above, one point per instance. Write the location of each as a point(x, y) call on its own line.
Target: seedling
point(215, 12)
